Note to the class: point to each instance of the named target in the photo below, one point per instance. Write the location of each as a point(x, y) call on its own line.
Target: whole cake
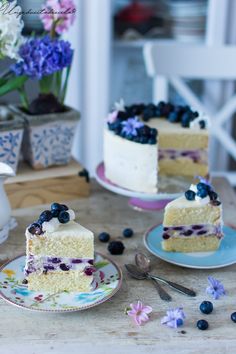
point(193, 222)
point(130, 152)
point(182, 144)
point(59, 252)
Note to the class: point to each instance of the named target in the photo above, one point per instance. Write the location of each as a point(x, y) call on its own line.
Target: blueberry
point(143, 140)
point(190, 195)
point(179, 322)
point(202, 186)
point(104, 237)
point(64, 207)
point(202, 325)
point(213, 195)
point(188, 233)
point(165, 236)
point(185, 120)
point(128, 233)
point(56, 206)
point(89, 271)
point(202, 124)
point(152, 141)
point(64, 217)
point(177, 228)
point(153, 132)
point(202, 193)
point(206, 307)
point(197, 227)
point(76, 261)
point(64, 267)
point(46, 215)
point(116, 247)
point(173, 117)
point(55, 260)
point(48, 267)
point(35, 229)
point(202, 232)
point(233, 317)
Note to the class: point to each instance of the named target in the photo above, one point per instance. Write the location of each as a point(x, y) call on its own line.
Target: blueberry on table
point(190, 195)
point(202, 325)
point(233, 317)
point(64, 217)
point(128, 233)
point(206, 307)
point(116, 247)
point(104, 237)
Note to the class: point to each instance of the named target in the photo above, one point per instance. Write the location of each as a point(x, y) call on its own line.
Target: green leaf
point(64, 89)
point(12, 84)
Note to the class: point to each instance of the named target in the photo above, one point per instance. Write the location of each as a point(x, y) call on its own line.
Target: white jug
point(5, 208)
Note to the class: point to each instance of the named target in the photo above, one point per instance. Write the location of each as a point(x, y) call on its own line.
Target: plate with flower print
point(107, 281)
point(224, 256)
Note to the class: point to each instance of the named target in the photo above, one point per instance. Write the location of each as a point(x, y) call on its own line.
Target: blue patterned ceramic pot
point(48, 138)
point(11, 133)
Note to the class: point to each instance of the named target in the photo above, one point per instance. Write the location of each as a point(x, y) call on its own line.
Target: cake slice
point(130, 153)
point(59, 252)
point(193, 222)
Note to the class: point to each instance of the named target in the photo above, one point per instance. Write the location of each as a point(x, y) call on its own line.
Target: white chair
point(170, 63)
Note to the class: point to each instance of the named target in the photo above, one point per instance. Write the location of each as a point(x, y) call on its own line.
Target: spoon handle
point(180, 288)
point(162, 293)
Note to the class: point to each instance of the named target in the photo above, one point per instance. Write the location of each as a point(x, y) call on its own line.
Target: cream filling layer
point(196, 156)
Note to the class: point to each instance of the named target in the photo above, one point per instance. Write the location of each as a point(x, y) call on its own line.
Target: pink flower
point(59, 15)
point(139, 312)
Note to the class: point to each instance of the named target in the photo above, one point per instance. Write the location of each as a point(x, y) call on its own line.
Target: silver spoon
point(137, 274)
point(144, 264)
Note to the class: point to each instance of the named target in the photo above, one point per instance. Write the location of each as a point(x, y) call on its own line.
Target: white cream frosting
point(54, 223)
point(130, 164)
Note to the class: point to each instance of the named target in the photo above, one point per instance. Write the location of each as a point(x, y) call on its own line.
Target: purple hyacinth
point(174, 318)
point(40, 57)
point(131, 125)
point(215, 289)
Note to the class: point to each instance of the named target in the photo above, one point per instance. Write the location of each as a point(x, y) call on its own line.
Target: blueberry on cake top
point(193, 222)
point(59, 252)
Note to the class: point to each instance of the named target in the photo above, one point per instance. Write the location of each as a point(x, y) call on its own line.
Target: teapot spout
point(6, 170)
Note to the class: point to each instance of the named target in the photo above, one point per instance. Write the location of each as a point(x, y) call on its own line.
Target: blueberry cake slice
point(130, 152)
point(193, 222)
point(59, 252)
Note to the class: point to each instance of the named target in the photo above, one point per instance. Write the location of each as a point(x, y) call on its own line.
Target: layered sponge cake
point(193, 222)
point(130, 152)
point(59, 252)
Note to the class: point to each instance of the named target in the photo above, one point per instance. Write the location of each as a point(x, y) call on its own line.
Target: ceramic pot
point(11, 133)
point(48, 138)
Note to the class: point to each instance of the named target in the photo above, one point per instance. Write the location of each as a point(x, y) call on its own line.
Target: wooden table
point(105, 328)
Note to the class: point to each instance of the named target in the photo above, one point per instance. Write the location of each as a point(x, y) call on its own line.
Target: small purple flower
point(216, 288)
point(174, 318)
point(131, 125)
point(41, 57)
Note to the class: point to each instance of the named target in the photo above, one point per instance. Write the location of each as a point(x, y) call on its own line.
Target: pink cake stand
point(139, 201)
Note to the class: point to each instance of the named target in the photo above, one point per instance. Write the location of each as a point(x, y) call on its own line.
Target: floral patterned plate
point(107, 281)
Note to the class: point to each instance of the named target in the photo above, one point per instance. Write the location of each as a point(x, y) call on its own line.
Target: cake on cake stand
point(169, 189)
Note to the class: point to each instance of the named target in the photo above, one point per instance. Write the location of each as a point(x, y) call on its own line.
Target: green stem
point(64, 89)
point(58, 83)
point(45, 84)
point(23, 97)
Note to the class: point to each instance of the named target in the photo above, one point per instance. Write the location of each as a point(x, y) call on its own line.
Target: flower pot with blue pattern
point(48, 138)
point(11, 133)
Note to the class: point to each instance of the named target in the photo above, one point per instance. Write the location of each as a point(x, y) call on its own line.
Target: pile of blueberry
point(115, 247)
point(145, 134)
point(174, 113)
point(57, 211)
point(206, 307)
point(203, 190)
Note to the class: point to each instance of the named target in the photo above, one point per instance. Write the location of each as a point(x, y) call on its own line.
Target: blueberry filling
point(192, 230)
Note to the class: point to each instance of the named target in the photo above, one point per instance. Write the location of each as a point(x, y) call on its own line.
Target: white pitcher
point(5, 208)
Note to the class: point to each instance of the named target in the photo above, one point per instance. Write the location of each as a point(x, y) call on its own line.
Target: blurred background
point(109, 37)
